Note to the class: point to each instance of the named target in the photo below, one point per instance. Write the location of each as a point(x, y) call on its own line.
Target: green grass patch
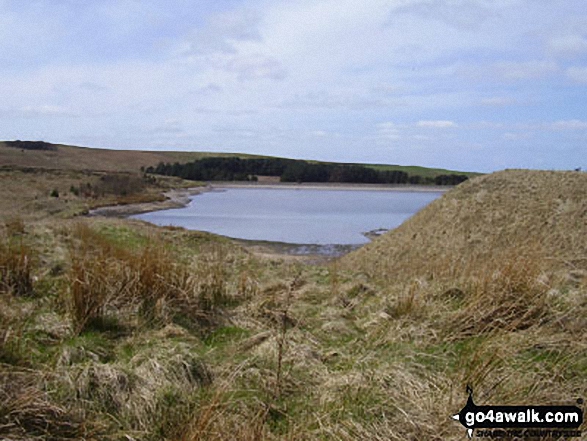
point(124, 237)
point(225, 335)
point(92, 344)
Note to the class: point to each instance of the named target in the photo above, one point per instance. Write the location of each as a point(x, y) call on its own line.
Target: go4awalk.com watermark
point(520, 421)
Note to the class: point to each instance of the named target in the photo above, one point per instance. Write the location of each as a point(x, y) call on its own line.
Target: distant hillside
point(65, 157)
point(517, 213)
point(425, 172)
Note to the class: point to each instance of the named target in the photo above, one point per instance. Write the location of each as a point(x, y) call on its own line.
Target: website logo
point(520, 421)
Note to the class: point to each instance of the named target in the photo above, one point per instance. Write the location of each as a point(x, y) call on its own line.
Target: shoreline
point(179, 198)
point(341, 186)
point(176, 198)
point(312, 253)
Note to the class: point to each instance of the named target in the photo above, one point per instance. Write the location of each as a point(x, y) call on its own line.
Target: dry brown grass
point(489, 218)
point(15, 226)
point(154, 391)
point(220, 417)
point(509, 298)
point(13, 319)
point(151, 281)
point(28, 413)
point(95, 278)
point(83, 158)
point(26, 193)
point(485, 287)
point(16, 261)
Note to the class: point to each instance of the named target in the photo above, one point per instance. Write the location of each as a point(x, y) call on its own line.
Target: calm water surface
point(301, 216)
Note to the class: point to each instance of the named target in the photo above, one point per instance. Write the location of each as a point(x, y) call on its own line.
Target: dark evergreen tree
point(290, 170)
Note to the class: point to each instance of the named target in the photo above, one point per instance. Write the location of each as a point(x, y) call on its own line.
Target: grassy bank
point(45, 194)
point(116, 329)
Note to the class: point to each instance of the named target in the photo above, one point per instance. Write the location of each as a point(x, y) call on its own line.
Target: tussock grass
point(211, 271)
point(92, 288)
point(151, 393)
point(221, 415)
point(513, 297)
point(16, 261)
point(12, 323)
point(28, 413)
point(151, 281)
point(95, 278)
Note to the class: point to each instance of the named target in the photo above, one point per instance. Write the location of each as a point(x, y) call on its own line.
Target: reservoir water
point(299, 216)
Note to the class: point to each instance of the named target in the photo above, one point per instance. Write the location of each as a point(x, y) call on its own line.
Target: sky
point(476, 85)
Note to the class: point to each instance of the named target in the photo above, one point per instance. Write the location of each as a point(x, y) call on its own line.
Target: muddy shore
point(177, 198)
point(333, 186)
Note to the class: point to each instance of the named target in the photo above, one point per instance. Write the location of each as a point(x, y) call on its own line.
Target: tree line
point(31, 145)
point(292, 170)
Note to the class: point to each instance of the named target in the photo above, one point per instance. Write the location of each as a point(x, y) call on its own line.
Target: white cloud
point(577, 74)
point(510, 71)
point(535, 69)
point(463, 14)
point(569, 46)
point(169, 126)
point(44, 111)
point(388, 130)
point(573, 124)
point(439, 124)
point(254, 67)
point(336, 99)
point(510, 136)
point(498, 101)
point(223, 33)
point(422, 138)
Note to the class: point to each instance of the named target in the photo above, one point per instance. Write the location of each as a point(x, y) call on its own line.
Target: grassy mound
point(491, 219)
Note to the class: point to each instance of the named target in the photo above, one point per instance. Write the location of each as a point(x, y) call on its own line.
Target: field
point(113, 329)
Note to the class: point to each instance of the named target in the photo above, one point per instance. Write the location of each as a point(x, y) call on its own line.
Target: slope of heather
point(492, 218)
point(66, 157)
